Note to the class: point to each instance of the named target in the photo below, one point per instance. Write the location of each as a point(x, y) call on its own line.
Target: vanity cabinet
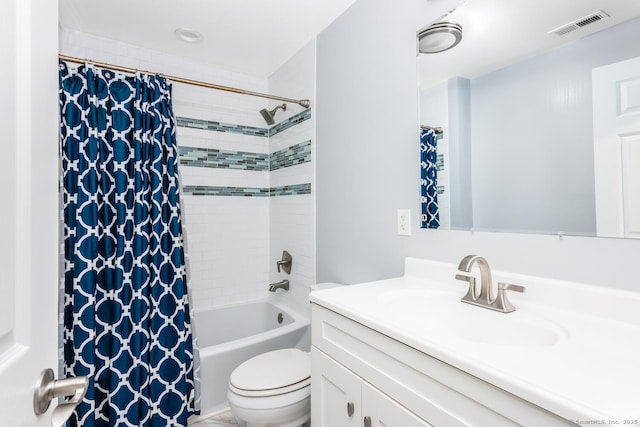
point(343, 399)
point(398, 386)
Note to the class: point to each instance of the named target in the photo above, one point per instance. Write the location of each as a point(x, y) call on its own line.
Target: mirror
point(539, 106)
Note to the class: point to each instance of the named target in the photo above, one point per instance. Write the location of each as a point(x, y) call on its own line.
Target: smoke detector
point(580, 23)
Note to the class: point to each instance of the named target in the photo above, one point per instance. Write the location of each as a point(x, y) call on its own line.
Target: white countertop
point(569, 348)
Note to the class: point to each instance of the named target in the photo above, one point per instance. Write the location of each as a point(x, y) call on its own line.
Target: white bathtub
point(229, 335)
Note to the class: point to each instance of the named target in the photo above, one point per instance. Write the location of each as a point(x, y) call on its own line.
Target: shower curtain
point(126, 321)
point(430, 217)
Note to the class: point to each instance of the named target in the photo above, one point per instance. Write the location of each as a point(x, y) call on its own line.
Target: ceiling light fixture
point(439, 37)
point(189, 36)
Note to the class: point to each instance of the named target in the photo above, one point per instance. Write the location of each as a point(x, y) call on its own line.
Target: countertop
point(588, 371)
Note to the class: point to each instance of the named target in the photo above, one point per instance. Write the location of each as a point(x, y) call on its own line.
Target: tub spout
point(283, 284)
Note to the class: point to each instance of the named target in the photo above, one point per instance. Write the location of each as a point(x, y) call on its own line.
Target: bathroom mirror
point(539, 105)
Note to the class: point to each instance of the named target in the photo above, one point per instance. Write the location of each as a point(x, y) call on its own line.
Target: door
point(382, 411)
point(616, 132)
point(340, 398)
point(335, 393)
point(28, 214)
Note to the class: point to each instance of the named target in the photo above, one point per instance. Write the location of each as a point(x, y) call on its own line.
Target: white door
point(29, 178)
point(335, 393)
point(382, 411)
point(616, 132)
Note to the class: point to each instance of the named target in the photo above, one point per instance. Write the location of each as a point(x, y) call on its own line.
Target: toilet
point(272, 390)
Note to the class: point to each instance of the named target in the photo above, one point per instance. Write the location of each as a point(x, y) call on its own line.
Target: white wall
point(292, 218)
point(367, 165)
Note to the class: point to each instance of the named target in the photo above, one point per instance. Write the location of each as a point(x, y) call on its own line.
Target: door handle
point(49, 388)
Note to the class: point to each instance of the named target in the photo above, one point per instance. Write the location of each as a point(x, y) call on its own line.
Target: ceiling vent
point(579, 23)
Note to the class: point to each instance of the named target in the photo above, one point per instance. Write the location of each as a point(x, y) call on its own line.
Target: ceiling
point(254, 37)
point(497, 33)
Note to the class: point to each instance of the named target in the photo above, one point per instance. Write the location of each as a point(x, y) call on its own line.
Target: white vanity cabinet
point(396, 385)
point(343, 399)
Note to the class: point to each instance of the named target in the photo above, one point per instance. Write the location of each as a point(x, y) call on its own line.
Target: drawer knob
point(350, 408)
point(367, 421)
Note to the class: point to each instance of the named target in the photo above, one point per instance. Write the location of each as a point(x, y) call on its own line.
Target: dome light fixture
point(189, 36)
point(439, 37)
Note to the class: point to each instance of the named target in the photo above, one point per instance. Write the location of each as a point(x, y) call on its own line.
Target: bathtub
point(227, 336)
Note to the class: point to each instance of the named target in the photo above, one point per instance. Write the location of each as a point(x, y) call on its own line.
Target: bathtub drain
point(280, 317)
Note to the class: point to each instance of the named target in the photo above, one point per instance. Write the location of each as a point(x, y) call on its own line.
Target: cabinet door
point(335, 393)
point(385, 412)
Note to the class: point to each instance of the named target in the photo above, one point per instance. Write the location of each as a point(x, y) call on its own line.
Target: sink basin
point(442, 314)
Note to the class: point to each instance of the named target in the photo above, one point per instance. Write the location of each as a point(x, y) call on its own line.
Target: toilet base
point(295, 415)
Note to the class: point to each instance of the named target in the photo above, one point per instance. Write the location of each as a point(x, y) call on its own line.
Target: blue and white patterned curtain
point(430, 217)
point(126, 321)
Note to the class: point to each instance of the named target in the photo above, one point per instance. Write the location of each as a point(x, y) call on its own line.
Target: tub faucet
point(283, 284)
point(485, 298)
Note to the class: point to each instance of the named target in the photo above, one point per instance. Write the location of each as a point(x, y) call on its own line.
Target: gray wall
point(367, 165)
point(459, 111)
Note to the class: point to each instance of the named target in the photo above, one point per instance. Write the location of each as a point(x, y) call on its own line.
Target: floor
point(224, 419)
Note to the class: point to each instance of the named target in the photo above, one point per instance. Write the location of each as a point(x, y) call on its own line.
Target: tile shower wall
point(224, 149)
point(292, 219)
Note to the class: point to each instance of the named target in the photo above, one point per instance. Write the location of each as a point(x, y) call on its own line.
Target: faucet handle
point(501, 302)
point(285, 262)
point(510, 287)
point(466, 278)
point(471, 293)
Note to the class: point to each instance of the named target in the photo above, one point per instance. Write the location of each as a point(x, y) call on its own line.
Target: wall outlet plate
point(404, 222)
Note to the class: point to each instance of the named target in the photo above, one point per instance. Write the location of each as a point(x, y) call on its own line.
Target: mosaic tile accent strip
point(206, 190)
point(290, 122)
point(440, 162)
point(291, 190)
point(290, 156)
point(212, 158)
point(287, 190)
point(188, 122)
point(440, 189)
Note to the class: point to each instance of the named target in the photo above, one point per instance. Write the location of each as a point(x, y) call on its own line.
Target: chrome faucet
point(283, 284)
point(485, 297)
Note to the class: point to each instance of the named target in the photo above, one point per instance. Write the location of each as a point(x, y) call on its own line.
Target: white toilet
point(272, 390)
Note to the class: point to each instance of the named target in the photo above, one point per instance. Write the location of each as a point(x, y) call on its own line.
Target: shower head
point(267, 115)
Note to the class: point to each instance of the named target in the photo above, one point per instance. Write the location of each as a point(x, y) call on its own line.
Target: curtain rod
point(302, 102)
point(435, 129)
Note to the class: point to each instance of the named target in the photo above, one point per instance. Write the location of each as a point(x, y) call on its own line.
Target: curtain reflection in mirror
point(430, 215)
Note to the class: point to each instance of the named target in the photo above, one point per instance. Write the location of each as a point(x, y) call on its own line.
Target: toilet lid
point(273, 370)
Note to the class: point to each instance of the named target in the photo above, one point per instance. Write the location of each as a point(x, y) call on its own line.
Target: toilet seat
point(270, 392)
point(273, 373)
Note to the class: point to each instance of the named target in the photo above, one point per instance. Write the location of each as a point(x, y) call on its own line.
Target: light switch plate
point(404, 222)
